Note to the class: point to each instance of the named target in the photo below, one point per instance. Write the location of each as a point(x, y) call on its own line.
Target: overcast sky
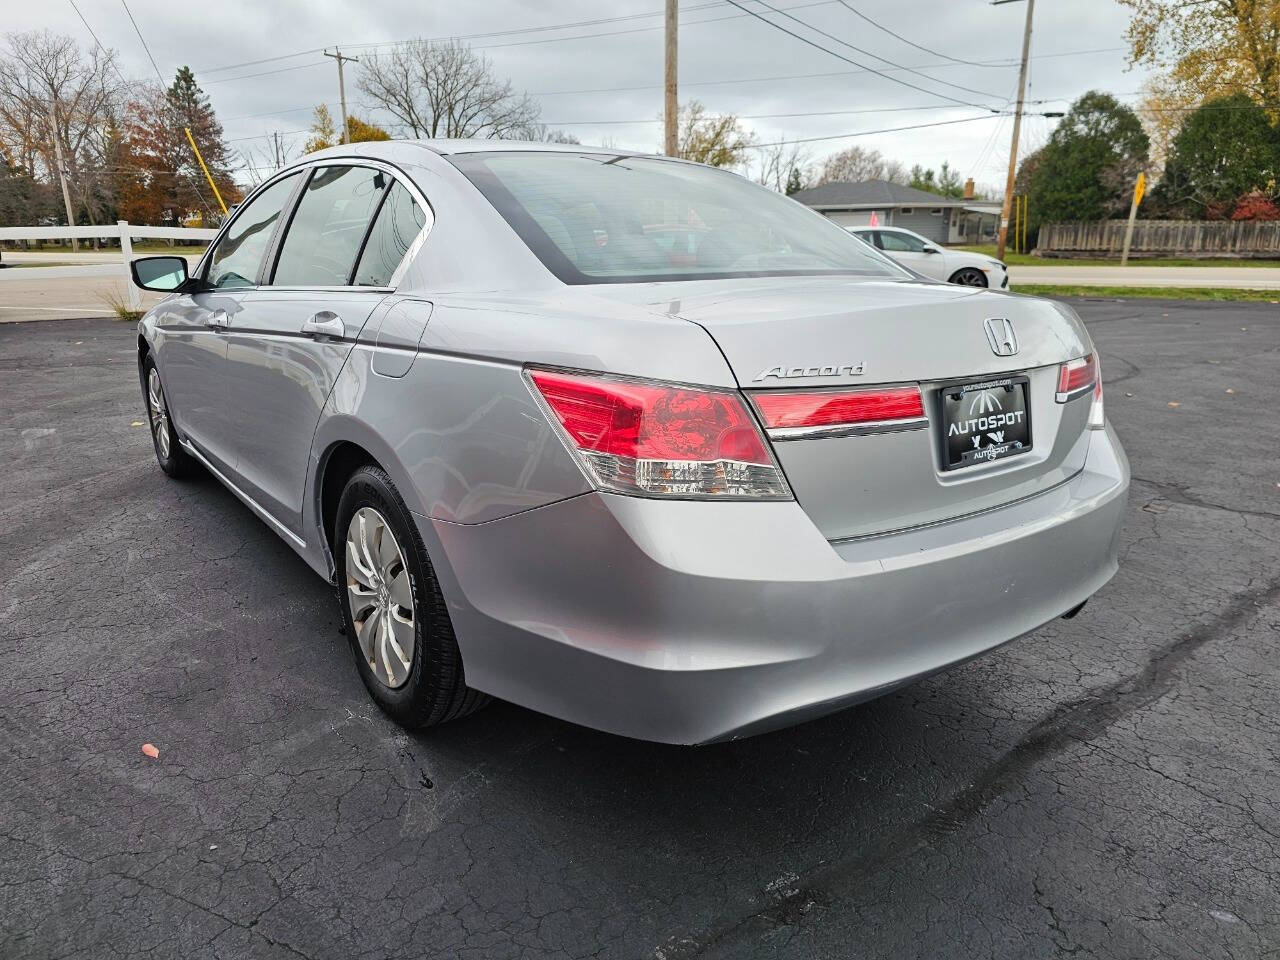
point(729, 60)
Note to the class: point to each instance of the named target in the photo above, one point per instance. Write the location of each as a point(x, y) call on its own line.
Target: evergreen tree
point(188, 108)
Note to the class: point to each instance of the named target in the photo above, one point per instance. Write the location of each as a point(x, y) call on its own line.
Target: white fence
point(122, 231)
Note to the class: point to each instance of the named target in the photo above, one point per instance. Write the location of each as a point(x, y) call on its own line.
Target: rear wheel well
point(342, 461)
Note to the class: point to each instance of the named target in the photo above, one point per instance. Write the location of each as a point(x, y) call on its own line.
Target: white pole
point(126, 253)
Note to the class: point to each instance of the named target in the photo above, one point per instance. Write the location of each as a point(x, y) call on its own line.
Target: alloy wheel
point(970, 277)
point(381, 597)
point(159, 413)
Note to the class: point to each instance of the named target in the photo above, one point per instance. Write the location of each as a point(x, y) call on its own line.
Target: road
point(1107, 787)
point(1254, 278)
point(85, 284)
point(61, 292)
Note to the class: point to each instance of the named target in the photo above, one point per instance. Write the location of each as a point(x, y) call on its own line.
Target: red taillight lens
point(662, 440)
point(1076, 376)
point(817, 409)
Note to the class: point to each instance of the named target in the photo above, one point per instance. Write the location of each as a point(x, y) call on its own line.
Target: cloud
point(612, 71)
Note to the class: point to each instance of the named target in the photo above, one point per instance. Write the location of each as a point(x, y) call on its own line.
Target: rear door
point(193, 351)
point(335, 262)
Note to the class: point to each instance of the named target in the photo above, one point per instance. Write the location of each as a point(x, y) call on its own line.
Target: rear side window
point(399, 221)
point(900, 242)
point(239, 253)
point(329, 226)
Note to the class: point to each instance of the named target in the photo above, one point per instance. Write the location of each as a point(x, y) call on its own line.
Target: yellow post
point(1139, 188)
point(212, 186)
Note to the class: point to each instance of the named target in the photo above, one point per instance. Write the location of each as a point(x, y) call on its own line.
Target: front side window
point(601, 218)
point(901, 242)
point(238, 255)
point(398, 222)
point(324, 237)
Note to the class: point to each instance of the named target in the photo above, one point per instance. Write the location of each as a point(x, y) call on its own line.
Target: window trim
point(307, 167)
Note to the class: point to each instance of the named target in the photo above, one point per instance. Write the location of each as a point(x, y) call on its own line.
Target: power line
point(278, 113)
point(910, 43)
point(265, 73)
point(804, 76)
point(867, 133)
point(758, 116)
point(106, 52)
point(845, 43)
point(86, 26)
point(477, 36)
point(125, 4)
point(840, 56)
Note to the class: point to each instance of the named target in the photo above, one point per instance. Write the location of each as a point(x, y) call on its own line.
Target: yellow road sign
point(1139, 188)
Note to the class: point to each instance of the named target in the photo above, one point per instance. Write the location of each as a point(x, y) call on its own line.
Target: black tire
point(172, 458)
point(969, 277)
point(435, 690)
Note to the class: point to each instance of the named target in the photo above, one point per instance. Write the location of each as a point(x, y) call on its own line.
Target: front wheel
point(394, 614)
point(969, 277)
point(172, 458)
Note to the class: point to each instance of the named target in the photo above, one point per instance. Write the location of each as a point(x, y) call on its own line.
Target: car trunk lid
point(821, 333)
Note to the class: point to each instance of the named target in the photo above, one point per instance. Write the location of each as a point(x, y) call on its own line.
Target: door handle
point(326, 323)
point(218, 320)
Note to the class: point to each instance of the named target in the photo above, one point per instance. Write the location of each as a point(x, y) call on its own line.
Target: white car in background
point(925, 257)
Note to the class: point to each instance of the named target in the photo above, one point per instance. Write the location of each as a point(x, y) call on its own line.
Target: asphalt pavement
point(1107, 787)
point(1136, 275)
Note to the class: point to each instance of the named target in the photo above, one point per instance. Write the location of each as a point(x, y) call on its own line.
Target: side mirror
point(930, 250)
point(161, 274)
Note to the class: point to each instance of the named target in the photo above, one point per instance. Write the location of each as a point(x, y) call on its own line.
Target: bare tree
point(773, 164)
point(51, 95)
point(547, 135)
point(715, 139)
point(855, 163)
point(447, 90)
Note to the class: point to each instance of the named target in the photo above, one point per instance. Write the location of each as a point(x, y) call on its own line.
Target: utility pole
point(62, 170)
point(342, 89)
point(1017, 127)
point(671, 107)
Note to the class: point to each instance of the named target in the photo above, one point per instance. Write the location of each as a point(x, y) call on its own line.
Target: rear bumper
point(685, 622)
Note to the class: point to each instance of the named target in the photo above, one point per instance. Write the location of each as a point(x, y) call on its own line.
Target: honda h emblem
point(1004, 342)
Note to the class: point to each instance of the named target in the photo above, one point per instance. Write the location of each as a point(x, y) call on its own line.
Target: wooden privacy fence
point(1183, 238)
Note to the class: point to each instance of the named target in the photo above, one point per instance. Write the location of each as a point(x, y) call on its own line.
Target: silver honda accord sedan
point(628, 440)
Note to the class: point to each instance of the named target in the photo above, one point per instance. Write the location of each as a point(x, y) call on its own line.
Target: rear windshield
point(600, 218)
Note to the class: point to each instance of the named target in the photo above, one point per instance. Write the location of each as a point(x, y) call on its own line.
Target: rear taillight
point(1097, 417)
point(1076, 377)
point(813, 413)
point(661, 440)
point(1081, 376)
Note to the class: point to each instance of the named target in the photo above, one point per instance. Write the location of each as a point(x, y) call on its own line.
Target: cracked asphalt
point(1107, 787)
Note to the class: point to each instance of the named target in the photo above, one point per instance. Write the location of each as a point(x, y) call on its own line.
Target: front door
point(297, 330)
point(192, 328)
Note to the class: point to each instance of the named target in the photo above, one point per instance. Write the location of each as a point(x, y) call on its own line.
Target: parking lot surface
point(1106, 787)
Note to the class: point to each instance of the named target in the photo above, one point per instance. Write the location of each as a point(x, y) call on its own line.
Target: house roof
point(871, 193)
